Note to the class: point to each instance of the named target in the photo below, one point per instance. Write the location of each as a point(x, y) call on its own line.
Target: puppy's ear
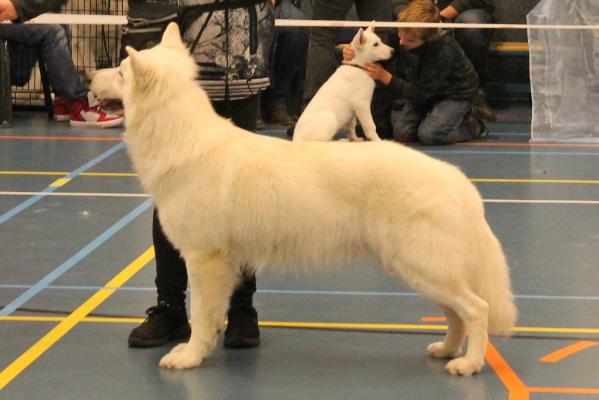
point(358, 39)
point(171, 37)
point(370, 27)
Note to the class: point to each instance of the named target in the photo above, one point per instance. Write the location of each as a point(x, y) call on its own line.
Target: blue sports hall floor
point(77, 269)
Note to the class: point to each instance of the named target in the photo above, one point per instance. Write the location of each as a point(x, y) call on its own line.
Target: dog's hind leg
point(454, 294)
point(451, 346)
point(212, 280)
point(473, 311)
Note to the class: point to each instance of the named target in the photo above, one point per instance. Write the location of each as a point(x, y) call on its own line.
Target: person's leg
point(321, 51)
point(449, 122)
point(476, 42)
point(242, 326)
point(407, 120)
point(54, 46)
point(290, 57)
point(168, 319)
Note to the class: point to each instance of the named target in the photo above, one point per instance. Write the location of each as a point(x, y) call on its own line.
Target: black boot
point(165, 322)
point(242, 326)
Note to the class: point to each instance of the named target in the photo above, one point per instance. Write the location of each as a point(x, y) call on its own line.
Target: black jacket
point(437, 70)
point(460, 5)
point(27, 9)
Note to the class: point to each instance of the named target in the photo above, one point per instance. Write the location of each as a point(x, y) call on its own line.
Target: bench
point(508, 49)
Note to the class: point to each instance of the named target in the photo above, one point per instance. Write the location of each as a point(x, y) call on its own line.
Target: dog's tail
point(493, 285)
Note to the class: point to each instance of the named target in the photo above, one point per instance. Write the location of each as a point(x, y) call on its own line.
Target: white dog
point(345, 95)
point(105, 85)
point(227, 198)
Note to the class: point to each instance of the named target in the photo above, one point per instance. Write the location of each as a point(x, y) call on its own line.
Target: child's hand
point(348, 52)
point(378, 73)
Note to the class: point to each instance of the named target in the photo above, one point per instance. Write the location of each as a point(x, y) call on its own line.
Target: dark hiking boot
point(242, 328)
point(165, 322)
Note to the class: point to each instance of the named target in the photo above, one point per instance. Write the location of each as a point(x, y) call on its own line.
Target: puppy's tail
point(494, 286)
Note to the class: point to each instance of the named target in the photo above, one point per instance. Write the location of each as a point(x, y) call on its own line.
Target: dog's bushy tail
point(494, 286)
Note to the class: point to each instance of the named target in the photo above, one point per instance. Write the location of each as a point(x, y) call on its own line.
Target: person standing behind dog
point(435, 77)
point(474, 42)
point(321, 51)
point(234, 71)
point(72, 102)
point(288, 61)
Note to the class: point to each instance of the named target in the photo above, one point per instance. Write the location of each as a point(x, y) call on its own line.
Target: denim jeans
point(440, 123)
point(475, 42)
point(290, 54)
point(54, 46)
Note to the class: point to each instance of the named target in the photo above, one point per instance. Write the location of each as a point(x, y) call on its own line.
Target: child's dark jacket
point(435, 71)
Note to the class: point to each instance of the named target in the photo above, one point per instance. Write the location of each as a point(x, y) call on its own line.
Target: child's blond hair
point(420, 11)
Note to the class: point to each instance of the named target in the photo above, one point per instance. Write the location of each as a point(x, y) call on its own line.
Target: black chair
point(5, 85)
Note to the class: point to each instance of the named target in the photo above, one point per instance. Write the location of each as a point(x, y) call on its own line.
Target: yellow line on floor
point(69, 322)
point(314, 325)
point(60, 182)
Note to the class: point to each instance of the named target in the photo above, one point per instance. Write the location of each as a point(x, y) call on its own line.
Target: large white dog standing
point(347, 94)
point(227, 198)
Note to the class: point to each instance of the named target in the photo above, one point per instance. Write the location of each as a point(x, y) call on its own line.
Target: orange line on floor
point(517, 390)
point(567, 351)
point(563, 390)
point(73, 138)
point(521, 144)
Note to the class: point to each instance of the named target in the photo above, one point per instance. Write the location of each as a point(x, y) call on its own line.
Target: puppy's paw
point(438, 350)
point(464, 366)
point(181, 357)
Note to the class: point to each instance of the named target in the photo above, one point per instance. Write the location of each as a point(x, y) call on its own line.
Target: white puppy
point(345, 95)
point(229, 198)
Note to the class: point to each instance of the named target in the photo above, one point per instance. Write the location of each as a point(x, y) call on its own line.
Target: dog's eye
point(376, 44)
point(120, 73)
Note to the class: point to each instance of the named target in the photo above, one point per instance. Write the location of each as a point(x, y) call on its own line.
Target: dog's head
point(159, 72)
point(369, 47)
point(107, 84)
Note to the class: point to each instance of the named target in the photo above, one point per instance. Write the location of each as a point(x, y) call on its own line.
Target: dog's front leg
point(365, 118)
point(211, 280)
point(351, 130)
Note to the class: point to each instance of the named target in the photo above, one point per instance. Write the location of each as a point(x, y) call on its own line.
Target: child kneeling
point(434, 77)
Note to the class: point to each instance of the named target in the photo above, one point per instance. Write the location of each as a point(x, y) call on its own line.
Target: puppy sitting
point(346, 95)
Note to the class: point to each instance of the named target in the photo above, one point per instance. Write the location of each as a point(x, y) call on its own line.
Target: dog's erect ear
point(171, 37)
point(138, 67)
point(358, 39)
point(370, 27)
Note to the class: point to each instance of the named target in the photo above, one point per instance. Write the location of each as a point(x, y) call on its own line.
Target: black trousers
point(171, 274)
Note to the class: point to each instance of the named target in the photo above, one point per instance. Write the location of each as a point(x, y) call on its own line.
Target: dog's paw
point(438, 350)
point(464, 366)
point(181, 357)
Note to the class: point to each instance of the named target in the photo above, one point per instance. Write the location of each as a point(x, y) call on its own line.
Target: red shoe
point(83, 115)
point(62, 109)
